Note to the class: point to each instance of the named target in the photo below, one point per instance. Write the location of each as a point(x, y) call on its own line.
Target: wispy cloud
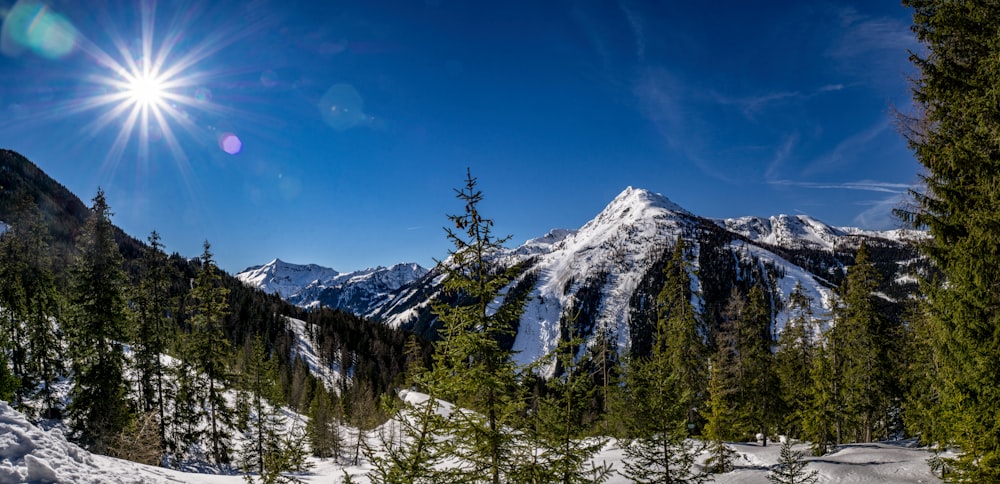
point(879, 215)
point(872, 48)
point(848, 150)
point(781, 156)
point(635, 22)
point(866, 185)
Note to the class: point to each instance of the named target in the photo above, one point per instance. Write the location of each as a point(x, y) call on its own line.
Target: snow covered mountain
point(312, 285)
point(283, 278)
point(609, 271)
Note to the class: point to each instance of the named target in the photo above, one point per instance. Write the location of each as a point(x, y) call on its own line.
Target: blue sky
point(356, 119)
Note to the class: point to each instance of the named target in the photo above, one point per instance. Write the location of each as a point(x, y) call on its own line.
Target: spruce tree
point(471, 368)
point(323, 428)
point(791, 467)
point(658, 450)
point(30, 305)
point(758, 381)
point(557, 449)
point(96, 329)
point(209, 350)
point(270, 450)
point(720, 416)
point(679, 331)
point(822, 413)
point(793, 360)
point(153, 331)
point(861, 339)
point(955, 137)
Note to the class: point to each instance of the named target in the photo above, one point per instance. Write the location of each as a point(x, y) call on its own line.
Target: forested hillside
point(134, 336)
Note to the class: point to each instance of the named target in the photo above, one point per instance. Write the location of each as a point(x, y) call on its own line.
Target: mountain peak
point(641, 198)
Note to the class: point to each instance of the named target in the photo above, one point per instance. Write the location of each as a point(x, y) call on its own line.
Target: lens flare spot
point(342, 107)
point(33, 25)
point(230, 143)
point(203, 94)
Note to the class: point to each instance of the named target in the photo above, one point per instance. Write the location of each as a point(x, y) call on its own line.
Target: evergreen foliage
point(862, 356)
point(720, 419)
point(659, 449)
point(791, 467)
point(680, 333)
point(30, 305)
point(153, 330)
point(955, 137)
point(96, 329)
point(270, 450)
point(325, 437)
point(794, 359)
point(664, 388)
point(209, 351)
point(470, 367)
point(556, 450)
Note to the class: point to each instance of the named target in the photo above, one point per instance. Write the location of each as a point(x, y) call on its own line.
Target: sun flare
point(145, 90)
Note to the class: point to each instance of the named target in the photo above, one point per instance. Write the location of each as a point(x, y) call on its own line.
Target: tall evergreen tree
point(793, 360)
point(665, 388)
point(470, 366)
point(955, 138)
point(679, 332)
point(270, 450)
point(153, 331)
point(323, 428)
point(759, 382)
point(821, 417)
point(554, 429)
point(30, 305)
point(658, 450)
point(210, 351)
point(861, 343)
point(97, 328)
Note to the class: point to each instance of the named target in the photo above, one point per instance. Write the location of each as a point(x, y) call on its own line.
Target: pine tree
point(954, 136)
point(759, 381)
point(659, 450)
point(679, 333)
point(860, 340)
point(270, 450)
point(409, 451)
point(557, 450)
point(209, 351)
point(97, 327)
point(793, 360)
point(822, 414)
point(470, 367)
point(152, 332)
point(323, 428)
point(31, 305)
point(720, 418)
point(791, 468)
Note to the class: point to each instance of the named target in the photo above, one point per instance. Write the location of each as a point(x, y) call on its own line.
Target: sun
point(145, 89)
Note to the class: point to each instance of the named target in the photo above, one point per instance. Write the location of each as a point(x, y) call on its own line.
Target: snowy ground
point(30, 454)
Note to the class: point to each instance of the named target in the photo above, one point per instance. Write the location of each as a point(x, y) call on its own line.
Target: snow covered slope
point(31, 454)
point(313, 285)
point(358, 292)
point(609, 271)
point(283, 278)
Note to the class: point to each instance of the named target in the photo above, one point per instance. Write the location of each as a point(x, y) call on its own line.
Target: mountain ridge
point(610, 270)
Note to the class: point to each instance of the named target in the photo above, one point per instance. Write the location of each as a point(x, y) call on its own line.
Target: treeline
point(157, 348)
point(701, 379)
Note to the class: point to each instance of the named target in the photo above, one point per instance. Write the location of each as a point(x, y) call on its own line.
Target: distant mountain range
point(609, 271)
point(311, 285)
